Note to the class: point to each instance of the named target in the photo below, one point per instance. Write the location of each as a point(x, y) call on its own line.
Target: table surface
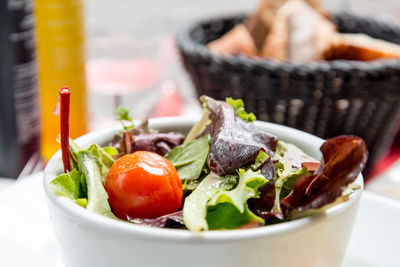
point(388, 182)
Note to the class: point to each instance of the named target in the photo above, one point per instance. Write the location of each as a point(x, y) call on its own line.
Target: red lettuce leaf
point(141, 138)
point(173, 220)
point(235, 143)
point(125, 144)
point(262, 205)
point(160, 143)
point(344, 157)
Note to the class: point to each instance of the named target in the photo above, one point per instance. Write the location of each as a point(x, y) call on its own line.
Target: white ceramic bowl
point(88, 239)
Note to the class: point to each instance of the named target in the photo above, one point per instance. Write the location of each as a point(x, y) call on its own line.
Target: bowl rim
point(126, 229)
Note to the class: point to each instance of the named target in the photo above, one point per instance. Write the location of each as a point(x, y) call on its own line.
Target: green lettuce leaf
point(214, 199)
point(229, 209)
point(84, 184)
point(110, 150)
point(285, 178)
point(81, 202)
point(199, 127)
point(283, 169)
point(290, 181)
point(261, 158)
point(195, 206)
point(229, 182)
point(122, 115)
point(238, 106)
point(104, 159)
point(189, 159)
point(69, 185)
point(91, 167)
point(102, 155)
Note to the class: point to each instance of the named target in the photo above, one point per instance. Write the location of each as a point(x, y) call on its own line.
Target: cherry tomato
point(143, 185)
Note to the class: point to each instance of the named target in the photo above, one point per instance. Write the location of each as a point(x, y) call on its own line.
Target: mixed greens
point(233, 175)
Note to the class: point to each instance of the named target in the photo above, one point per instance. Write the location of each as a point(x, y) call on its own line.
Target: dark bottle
point(19, 108)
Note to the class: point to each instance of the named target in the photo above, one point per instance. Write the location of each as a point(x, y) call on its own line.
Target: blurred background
point(117, 54)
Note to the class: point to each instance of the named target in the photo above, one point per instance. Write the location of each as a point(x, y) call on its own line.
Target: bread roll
point(236, 41)
point(261, 20)
point(361, 47)
point(299, 33)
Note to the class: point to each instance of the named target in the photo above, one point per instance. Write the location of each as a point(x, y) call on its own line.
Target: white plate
point(27, 237)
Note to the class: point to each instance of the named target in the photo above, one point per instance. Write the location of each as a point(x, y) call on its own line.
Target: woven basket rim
point(188, 44)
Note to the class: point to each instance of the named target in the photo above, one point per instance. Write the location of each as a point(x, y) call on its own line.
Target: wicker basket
point(323, 98)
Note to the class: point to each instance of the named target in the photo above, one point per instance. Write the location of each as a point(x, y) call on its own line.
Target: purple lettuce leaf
point(344, 157)
point(173, 220)
point(160, 143)
point(141, 138)
point(262, 205)
point(235, 143)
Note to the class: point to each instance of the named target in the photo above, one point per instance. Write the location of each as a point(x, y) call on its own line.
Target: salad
point(224, 174)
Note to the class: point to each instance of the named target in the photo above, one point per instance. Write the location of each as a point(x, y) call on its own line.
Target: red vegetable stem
point(64, 127)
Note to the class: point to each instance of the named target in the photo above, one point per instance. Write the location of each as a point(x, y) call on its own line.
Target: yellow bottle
point(61, 59)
